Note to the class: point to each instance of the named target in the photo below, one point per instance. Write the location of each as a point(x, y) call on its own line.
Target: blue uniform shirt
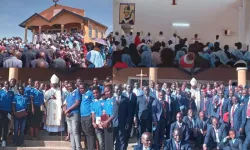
point(87, 99)
point(108, 106)
point(38, 96)
point(97, 107)
point(21, 102)
point(71, 99)
point(27, 91)
point(6, 98)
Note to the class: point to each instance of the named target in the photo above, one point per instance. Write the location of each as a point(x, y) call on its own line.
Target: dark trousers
point(89, 131)
point(144, 125)
point(246, 144)
point(4, 125)
point(19, 125)
point(159, 133)
point(199, 139)
point(120, 138)
point(108, 138)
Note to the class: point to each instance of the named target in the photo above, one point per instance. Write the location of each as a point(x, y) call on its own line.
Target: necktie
point(232, 122)
point(164, 109)
point(248, 110)
point(177, 146)
point(205, 99)
point(221, 108)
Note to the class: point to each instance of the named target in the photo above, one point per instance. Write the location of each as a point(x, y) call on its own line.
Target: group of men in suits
point(206, 119)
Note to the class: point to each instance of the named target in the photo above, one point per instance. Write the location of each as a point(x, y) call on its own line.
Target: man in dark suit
point(206, 103)
point(180, 124)
point(230, 87)
point(215, 134)
point(180, 102)
point(170, 101)
point(244, 96)
point(177, 142)
point(143, 114)
point(246, 120)
point(231, 142)
point(235, 111)
point(201, 127)
point(160, 118)
point(221, 106)
point(190, 121)
point(146, 140)
point(132, 104)
point(122, 119)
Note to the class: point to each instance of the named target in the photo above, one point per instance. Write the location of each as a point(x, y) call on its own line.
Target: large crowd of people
point(119, 51)
point(172, 117)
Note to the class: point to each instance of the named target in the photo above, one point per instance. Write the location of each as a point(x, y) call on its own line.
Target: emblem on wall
point(127, 13)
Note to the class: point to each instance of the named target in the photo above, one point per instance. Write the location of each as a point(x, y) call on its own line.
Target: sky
point(14, 12)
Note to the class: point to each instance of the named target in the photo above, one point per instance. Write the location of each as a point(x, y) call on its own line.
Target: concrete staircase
point(46, 142)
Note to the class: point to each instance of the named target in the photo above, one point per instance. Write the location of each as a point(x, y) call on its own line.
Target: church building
point(63, 19)
point(230, 19)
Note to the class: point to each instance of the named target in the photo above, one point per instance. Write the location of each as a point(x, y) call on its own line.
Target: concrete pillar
point(26, 35)
point(242, 75)
point(116, 25)
point(33, 36)
point(153, 74)
point(62, 28)
point(127, 29)
point(82, 28)
point(13, 73)
point(39, 32)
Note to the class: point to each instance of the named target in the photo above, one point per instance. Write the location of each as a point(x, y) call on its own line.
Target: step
point(58, 144)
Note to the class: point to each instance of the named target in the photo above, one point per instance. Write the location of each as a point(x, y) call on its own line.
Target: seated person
point(231, 142)
point(190, 121)
point(177, 142)
point(215, 134)
point(146, 140)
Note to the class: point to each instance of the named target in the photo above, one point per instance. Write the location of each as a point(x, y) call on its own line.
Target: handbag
point(21, 113)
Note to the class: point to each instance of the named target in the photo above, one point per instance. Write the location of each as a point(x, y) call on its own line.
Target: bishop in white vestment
point(195, 93)
point(53, 101)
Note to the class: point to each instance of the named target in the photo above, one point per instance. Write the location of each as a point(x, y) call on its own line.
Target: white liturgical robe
point(53, 121)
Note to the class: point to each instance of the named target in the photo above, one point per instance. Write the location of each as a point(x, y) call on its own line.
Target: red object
point(174, 2)
point(137, 40)
point(120, 65)
point(221, 108)
point(184, 64)
point(226, 117)
point(232, 122)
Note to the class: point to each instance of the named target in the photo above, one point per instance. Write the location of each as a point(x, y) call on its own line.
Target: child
point(232, 143)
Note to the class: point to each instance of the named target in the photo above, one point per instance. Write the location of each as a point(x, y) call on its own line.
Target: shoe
point(3, 143)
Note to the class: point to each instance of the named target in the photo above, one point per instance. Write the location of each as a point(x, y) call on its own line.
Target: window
point(74, 30)
point(132, 80)
point(90, 31)
point(96, 32)
point(102, 34)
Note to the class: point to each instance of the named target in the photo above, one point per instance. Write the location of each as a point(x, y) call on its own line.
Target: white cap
point(193, 82)
point(54, 79)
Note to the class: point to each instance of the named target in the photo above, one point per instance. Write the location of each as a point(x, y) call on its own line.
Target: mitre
point(193, 82)
point(54, 79)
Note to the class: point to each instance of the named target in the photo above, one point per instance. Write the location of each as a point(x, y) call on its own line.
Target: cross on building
point(55, 1)
point(141, 75)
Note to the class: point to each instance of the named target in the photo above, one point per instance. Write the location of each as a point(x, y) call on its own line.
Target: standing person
point(108, 125)
point(97, 112)
point(137, 39)
point(36, 101)
point(72, 113)
point(20, 110)
point(195, 93)
point(143, 117)
point(160, 117)
point(122, 117)
point(94, 56)
point(6, 98)
point(85, 111)
point(53, 101)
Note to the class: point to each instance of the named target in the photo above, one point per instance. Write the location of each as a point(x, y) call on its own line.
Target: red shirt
point(137, 40)
point(184, 64)
point(120, 65)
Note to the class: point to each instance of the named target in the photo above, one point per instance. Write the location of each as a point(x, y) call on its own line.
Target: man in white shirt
point(160, 37)
point(175, 39)
point(148, 38)
point(130, 38)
